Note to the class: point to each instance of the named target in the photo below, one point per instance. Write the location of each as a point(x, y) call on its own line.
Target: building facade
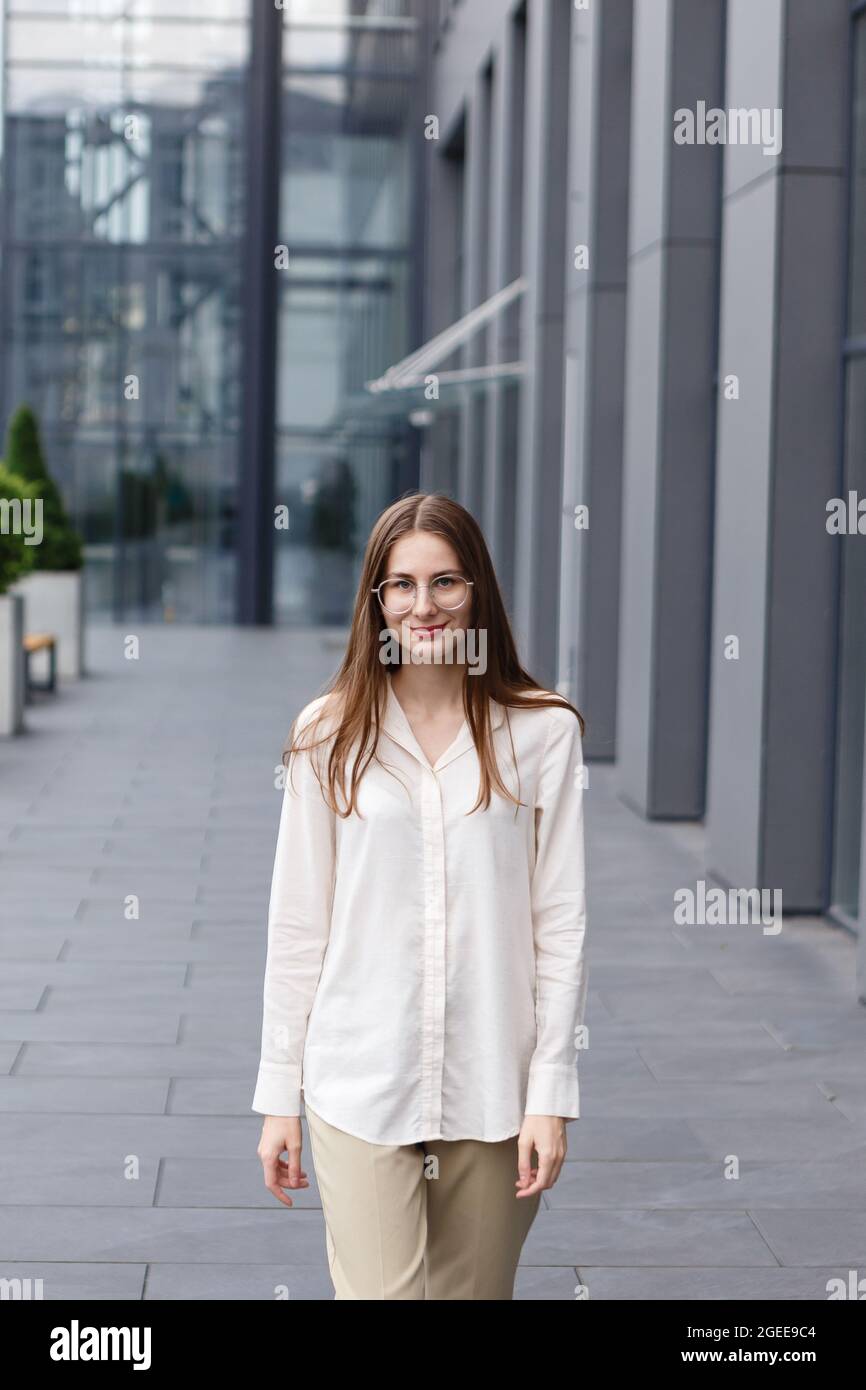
point(656, 416)
point(595, 267)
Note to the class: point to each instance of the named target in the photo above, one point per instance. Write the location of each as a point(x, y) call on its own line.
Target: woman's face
point(425, 559)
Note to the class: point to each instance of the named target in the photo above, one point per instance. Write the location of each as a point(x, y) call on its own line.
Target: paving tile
point(778, 1137)
point(70, 1281)
point(9, 1051)
point(20, 994)
point(804, 1236)
point(154, 1134)
point(92, 1024)
point(107, 910)
point(130, 1059)
point(53, 1096)
point(236, 1282)
point(598, 1184)
point(547, 1285)
point(177, 999)
point(109, 1180)
point(706, 1285)
point(164, 1234)
point(103, 978)
point(755, 1062)
point(614, 1139)
point(635, 1237)
point(795, 1099)
point(204, 1096)
point(222, 1182)
point(22, 945)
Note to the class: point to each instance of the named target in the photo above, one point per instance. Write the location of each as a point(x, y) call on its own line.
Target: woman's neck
point(430, 688)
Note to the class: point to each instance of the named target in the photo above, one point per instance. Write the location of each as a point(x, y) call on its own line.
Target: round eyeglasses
point(448, 592)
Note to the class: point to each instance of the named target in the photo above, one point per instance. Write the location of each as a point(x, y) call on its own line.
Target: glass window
point(343, 312)
point(123, 188)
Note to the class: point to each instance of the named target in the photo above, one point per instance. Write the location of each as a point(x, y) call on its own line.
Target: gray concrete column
point(443, 304)
point(254, 587)
point(781, 327)
point(506, 201)
point(669, 411)
point(594, 386)
point(476, 271)
point(539, 468)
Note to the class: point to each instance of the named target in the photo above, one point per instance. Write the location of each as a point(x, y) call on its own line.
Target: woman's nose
point(423, 602)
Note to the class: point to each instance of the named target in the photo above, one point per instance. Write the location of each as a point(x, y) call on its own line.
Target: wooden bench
point(41, 642)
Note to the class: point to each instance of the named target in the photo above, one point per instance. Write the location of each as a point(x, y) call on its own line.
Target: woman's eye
point(445, 582)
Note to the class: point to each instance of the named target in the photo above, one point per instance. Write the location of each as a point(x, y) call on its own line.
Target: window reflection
point(122, 169)
point(343, 310)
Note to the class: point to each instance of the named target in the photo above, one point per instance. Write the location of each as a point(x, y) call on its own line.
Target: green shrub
point(61, 544)
point(16, 557)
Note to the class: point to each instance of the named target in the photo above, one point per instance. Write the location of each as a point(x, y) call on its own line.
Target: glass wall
point(122, 261)
point(344, 313)
point(120, 287)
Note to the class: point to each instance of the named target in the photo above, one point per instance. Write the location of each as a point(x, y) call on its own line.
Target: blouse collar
point(397, 727)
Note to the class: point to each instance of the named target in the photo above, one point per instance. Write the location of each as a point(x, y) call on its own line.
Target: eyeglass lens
point(448, 591)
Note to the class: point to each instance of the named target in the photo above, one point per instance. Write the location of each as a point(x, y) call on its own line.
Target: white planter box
point(54, 602)
point(11, 664)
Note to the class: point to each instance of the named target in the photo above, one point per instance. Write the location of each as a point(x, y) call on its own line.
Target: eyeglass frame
point(450, 574)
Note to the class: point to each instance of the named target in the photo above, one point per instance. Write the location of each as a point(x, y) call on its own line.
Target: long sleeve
point(558, 894)
point(299, 917)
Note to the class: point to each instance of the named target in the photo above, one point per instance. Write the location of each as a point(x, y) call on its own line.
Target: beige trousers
point(437, 1219)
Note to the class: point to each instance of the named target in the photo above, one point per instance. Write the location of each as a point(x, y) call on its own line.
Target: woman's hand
point(282, 1132)
point(545, 1134)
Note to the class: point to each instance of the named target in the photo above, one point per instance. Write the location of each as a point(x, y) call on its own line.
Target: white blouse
point(426, 973)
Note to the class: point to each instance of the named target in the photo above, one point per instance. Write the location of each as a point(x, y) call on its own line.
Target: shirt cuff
point(553, 1090)
point(278, 1091)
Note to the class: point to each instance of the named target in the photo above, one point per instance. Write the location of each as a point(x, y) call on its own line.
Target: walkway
point(129, 1048)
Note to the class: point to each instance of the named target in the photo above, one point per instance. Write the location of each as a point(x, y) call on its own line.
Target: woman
point(426, 978)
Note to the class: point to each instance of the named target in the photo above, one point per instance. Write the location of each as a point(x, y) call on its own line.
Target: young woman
point(426, 976)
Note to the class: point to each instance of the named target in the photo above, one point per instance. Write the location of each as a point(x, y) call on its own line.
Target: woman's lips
point(440, 627)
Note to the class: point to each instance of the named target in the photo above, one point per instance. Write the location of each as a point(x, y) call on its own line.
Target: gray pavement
point(129, 1047)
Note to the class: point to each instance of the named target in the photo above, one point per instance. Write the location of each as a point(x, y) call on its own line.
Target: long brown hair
point(358, 692)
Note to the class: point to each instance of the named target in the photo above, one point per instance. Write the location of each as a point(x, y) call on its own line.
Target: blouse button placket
point(433, 1027)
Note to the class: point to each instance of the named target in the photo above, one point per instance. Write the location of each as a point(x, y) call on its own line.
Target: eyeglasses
point(448, 591)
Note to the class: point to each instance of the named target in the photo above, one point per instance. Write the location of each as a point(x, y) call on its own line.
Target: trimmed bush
point(16, 557)
point(61, 544)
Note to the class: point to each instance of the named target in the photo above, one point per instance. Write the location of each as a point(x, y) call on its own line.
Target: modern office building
point(596, 267)
point(646, 256)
